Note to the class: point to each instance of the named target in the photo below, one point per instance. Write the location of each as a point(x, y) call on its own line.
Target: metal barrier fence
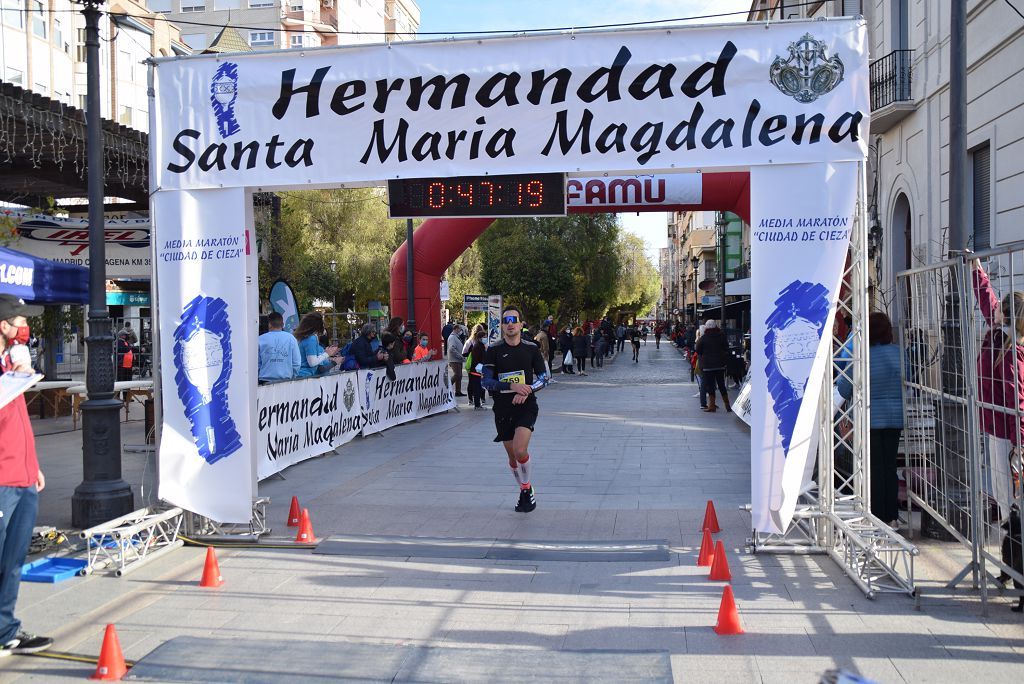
point(962, 332)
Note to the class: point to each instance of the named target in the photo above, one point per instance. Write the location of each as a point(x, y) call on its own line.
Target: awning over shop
point(40, 281)
point(741, 304)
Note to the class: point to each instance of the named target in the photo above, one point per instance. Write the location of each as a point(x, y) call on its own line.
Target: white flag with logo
point(801, 216)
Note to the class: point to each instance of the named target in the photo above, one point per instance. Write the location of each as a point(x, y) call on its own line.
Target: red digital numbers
point(530, 194)
point(534, 194)
point(435, 195)
point(489, 186)
point(535, 190)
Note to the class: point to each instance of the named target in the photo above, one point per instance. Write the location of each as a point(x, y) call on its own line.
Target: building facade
point(908, 165)
point(43, 50)
point(293, 24)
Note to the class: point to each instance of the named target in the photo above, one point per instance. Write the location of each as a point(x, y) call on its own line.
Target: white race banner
point(659, 99)
point(66, 240)
point(300, 419)
point(207, 343)
point(418, 390)
point(801, 218)
point(608, 192)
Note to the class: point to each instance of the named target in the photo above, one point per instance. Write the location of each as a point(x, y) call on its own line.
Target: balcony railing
point(891, 79)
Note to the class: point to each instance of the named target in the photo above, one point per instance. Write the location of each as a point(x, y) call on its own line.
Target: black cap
point(11, 306)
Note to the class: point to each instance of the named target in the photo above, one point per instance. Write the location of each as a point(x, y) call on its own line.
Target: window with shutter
point(981, 172)
point(852, 8)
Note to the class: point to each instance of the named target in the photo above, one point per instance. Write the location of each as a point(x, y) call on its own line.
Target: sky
point(447, 17)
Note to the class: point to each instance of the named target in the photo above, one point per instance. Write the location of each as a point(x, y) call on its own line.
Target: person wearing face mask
point(396, 326)
point(21, 480)
point(456, 359)
point(423, 351)
point(565, 346)
point(362, 348)
point(408, 345)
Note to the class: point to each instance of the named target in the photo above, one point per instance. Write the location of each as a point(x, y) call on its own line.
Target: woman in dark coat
point(565, 346)
point(580, 349)
point(397, 329)
point(713, 350)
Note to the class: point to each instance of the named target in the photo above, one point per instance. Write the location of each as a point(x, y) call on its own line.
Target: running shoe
point(527, 501)
point(23, 642)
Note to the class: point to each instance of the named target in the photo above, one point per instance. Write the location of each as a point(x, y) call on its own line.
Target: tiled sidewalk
point(624, 453)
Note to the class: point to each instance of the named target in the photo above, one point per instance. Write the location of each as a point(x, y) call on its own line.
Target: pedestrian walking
point(580, 349)
point(513, 371)
point(477, 351)
point(713, 351)
point(620, 336)
point(658, 330)
point(456, 359)
point(565, 346)
point(601, 346)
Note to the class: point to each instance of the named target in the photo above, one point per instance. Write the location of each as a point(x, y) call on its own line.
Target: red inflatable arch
point(439, 242)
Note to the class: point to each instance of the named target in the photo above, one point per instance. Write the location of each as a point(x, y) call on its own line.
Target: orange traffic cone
point(707, 551)
point(710, 519)
point(211, 571)
point(293, 513)
point(720, 565)
point(305, 534)
point(111, 665)
point(728, 618)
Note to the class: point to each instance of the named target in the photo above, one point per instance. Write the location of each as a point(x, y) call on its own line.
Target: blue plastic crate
point(52, 570)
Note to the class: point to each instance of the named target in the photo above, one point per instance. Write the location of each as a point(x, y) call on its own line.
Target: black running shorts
point(506, 420)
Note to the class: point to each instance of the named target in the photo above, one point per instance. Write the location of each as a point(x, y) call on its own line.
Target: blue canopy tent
point(41, 281)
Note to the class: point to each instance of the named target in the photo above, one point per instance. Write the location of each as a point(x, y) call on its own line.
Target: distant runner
point(513, 370)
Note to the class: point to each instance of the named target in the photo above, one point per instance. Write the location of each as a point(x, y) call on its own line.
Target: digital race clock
point(538, 194)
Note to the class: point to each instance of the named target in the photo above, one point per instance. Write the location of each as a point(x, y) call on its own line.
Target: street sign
point(711, 300)
point(474, 302)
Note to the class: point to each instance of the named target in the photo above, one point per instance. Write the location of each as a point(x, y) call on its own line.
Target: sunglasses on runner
point(510, 319)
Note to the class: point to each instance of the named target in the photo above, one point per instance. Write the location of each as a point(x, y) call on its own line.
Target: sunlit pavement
point(621, 454)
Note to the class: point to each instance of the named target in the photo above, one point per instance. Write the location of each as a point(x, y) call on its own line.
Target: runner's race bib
point(512, 377)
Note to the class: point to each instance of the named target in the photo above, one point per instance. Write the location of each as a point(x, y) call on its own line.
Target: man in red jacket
point(20, 482)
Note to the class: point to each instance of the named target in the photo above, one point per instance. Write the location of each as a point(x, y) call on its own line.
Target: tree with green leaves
point(638, 282)
point(566, 266)
point(349, 227)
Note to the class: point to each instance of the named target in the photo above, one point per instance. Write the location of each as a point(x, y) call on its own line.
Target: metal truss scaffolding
point(203, 529)
point(833, 515)
point(125, 543)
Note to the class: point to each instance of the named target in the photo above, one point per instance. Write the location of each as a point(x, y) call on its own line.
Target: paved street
point(623, 454)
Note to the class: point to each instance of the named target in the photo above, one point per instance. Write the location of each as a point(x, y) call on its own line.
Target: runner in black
point(513, 370)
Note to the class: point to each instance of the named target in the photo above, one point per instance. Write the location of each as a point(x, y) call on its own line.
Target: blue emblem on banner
point(790, 345)
point(369, 388)
point(202, 358)
point(223, 94)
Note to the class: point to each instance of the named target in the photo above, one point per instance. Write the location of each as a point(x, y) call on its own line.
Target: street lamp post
point(102, 495)
point(695, 262)
point(334, 301)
